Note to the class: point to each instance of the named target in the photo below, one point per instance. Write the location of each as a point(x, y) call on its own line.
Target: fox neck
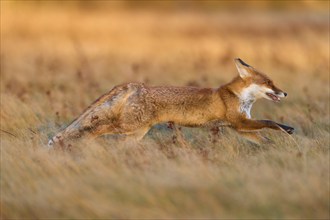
point(247, 95)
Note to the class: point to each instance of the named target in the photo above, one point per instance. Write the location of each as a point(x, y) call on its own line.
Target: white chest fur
point(247, 98)
point(245, 107)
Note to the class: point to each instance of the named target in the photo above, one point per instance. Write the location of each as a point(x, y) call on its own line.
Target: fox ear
point(243, 68)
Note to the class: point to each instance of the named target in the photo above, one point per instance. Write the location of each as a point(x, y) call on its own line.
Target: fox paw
point(288, 129)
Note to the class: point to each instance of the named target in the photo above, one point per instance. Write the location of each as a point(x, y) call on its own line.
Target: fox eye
point(268, 82)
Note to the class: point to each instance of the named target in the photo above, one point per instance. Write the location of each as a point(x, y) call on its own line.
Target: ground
point(55, 61)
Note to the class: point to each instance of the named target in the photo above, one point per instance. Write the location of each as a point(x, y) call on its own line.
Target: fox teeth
point(274, 97)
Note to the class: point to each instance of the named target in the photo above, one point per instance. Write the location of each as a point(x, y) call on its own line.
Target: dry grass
point(56, 61)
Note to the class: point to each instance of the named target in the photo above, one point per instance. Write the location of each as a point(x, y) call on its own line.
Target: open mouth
point(275, 98)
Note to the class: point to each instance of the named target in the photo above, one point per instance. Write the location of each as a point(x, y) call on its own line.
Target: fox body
point(133, 108)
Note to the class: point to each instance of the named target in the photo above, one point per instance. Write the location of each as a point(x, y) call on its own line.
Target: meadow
point(56, 60)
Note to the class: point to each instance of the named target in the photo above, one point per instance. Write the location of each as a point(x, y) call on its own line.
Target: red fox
point(133, 108)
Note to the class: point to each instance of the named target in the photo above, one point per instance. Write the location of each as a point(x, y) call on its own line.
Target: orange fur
point(133, 108)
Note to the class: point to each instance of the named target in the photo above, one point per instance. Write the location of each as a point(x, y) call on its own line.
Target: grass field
point(56, 60)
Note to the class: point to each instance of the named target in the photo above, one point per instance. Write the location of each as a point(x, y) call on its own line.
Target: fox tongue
point(274, 97)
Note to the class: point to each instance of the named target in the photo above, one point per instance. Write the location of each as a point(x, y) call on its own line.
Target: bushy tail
point(99, 114)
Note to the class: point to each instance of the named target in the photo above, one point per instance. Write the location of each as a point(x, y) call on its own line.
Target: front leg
point(286, 128)
point(244, 124)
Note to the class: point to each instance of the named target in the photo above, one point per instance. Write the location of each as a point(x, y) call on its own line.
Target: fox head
point(256, 84)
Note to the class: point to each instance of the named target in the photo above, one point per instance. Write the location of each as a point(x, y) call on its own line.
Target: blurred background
point(50, 46)
point(57, 57)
